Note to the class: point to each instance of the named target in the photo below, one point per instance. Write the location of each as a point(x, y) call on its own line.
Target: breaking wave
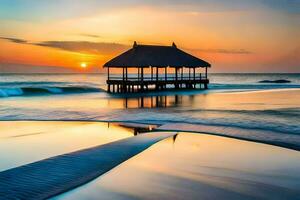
point(35, 91)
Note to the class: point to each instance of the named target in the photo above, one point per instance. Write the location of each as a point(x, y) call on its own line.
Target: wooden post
point(194, 73)
point(107, 73)
point(126, 73)
point(142, 78)
point(138, 74)
point(123, 79)
point(206, 72)
point(156, 84)
point(166, 74)
point(151, 73)
point(189, 73)
point(182, 73)
point(176, 77)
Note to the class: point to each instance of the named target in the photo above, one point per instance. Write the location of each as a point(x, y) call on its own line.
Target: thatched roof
point(156, 56)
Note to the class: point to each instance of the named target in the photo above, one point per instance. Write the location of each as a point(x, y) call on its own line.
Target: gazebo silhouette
point(153, 58)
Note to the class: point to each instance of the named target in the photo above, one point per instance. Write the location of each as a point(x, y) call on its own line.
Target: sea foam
point(35, 91)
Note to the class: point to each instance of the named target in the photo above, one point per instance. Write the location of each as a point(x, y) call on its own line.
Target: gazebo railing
point(159, 78)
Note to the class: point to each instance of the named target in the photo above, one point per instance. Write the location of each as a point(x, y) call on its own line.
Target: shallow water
point(233, 100)
point(196, 166)
point(26, 142)
point(49, 177)
point(187, 166)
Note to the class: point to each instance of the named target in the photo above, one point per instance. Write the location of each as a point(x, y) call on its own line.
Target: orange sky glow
point(251, 38)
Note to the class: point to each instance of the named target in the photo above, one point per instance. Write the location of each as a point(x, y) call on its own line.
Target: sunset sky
point(233, 35)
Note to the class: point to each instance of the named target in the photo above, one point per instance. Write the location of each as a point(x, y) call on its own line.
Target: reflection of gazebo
point(153, 58)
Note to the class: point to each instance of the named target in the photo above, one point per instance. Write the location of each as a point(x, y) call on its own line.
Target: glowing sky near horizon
point(234, 36)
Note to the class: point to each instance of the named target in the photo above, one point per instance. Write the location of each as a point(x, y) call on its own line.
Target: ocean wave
point(20, 83)
point(35, 91)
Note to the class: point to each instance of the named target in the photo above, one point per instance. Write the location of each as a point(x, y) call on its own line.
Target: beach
point(201, 166)
point(224, 142)
point(182, 166)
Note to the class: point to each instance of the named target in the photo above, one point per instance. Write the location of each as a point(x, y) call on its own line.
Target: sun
point(83, 65)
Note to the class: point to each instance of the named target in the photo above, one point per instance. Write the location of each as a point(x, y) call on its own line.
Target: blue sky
point(53, 9)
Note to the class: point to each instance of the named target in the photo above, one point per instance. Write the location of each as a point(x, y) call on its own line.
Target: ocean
point(238, 101)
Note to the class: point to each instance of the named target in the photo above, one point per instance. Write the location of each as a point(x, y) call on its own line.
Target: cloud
point(90, 35)
point(76, 46)
point(104, 48)
point(223, 51)
point(14, 40)
point(84, 46)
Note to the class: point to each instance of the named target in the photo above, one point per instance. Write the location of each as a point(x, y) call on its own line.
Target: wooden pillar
point(107, 73)
point(181, 84)
point(138, 73)
point(142, 78)
point(205, 86)
point(189, 73)
point(166, 74)
point(126, 73)
point(156, 84)
point(176, 77)
point(194, 73)
point(123, 74)
point(123, 79)
point(206, 72)
point(151, 73)
point(182, 73)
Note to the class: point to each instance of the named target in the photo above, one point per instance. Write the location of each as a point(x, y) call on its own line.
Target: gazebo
point(155, 59)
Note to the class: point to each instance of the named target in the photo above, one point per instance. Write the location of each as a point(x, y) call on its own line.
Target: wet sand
point(290, 141)
point(186, 166)
point(199, 166)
